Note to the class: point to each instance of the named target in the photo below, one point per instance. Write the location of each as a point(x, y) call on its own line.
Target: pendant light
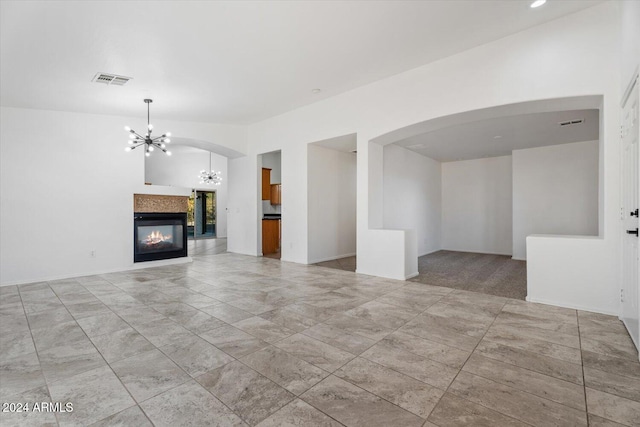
point(136, 140)
point(210, 177)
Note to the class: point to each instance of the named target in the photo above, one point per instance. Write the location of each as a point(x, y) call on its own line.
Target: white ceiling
point(499, 136)
point(237, 61)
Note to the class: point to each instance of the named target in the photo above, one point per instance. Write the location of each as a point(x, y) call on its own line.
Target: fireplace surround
point(159, 235)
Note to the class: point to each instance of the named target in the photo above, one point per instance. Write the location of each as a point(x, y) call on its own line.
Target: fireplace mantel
point(163, 190)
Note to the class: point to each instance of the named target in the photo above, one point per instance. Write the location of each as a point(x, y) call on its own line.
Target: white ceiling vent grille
point(110, 79)
point(571, 122)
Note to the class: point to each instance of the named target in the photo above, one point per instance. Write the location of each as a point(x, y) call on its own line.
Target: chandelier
point(210, 177)
point(136, 140)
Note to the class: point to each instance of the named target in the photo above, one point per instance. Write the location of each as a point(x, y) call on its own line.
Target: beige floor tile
point(353, 406)
point(250, 395)
point(514, 403)
point(19, 374)
point(438, 329)
point(233, 341)
point(358, 326)
point(316, 352)
point(148, 374)
point(559, 391)
point(292, 373)
point(452, 411)
point(404, 391)
point(29, 417)
point(226, 313)
point(431, 372)
point(615, 365)
point(95, 395)
point(121, 344)
point(553, 367)
point(298, 414)
point(132, 416)
point(353, 343)
point(263, 329)
point(195, 355)
point(189, 405)
point(514, 338)
point(619, 385)
point(386, 315)
point(430, 349)
point(614, 408)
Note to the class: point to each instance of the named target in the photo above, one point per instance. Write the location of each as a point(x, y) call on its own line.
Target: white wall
point(332, 204)
point(476, 205)
point(66, 188)
point(182, 169)
point(518, 68)
point(412, 196)
point(555, 191)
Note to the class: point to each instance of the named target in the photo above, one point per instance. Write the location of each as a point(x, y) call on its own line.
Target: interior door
point(631, 185)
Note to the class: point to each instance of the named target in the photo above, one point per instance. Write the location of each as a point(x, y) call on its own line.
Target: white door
point(630, 295)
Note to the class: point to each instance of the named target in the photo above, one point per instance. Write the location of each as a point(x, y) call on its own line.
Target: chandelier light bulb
point(127, 128)
point(168, 134)
point(127, 149)
point(167, 140)
point(150, 126)
point(168, 153)
point(147, 154)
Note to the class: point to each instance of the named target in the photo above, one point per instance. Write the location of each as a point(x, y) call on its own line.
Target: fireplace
point(159, 236)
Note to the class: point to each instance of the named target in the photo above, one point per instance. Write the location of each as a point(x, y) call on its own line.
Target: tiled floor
point(346, 264)
point(238, 340)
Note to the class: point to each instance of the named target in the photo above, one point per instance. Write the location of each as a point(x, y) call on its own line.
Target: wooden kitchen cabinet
point(266, 184)
point(270, 236)
point(276, 194)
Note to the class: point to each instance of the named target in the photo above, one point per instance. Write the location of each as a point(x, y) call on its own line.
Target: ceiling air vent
point(110, 79)
point(571, 122)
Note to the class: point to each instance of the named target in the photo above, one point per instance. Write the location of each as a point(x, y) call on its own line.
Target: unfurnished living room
point(319, 213)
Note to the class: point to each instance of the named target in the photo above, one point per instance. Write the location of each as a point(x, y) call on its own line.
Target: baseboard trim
point(137, 266)
point(430, 252)
point(410, 276)
point(311, 261)
point(571, 306)
point(477, 252)
point(518, 259)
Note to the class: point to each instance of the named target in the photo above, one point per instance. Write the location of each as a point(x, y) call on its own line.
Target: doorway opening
point(473, 186)
point(201, 215)
point(270, 212)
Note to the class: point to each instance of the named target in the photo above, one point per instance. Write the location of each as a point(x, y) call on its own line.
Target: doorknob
point(633, 232)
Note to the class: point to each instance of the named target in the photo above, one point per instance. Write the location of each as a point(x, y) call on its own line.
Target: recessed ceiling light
point(497, 137)
point(316, 90)
point(538, 3)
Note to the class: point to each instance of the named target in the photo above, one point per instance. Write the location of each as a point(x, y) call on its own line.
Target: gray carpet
point(497, 275)
point(488, 274)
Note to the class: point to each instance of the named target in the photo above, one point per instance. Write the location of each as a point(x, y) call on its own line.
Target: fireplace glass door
point(159, 236)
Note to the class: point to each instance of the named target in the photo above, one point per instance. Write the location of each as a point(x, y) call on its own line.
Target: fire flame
point(157, 237)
